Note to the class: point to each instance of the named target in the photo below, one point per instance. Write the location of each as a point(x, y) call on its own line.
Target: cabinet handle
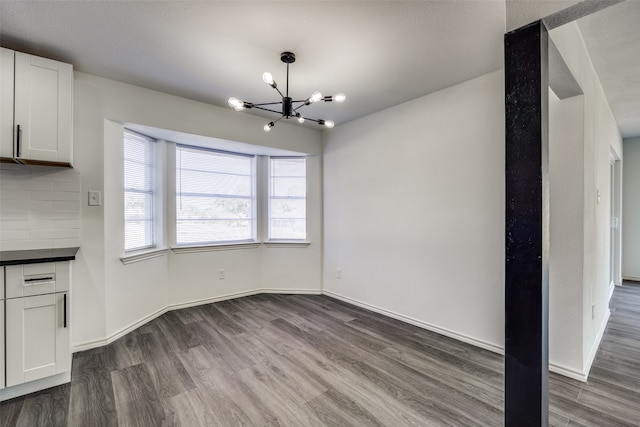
point(18, 142)
point(64, 302)
point(38, 279)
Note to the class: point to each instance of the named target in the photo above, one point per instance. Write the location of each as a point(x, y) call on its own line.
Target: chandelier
point(290, 106)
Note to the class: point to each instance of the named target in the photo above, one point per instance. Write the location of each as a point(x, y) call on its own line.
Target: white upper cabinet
point(41, 132)
point(6, 103)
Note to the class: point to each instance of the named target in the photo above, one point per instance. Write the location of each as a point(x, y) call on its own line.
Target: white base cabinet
point(36, 323)
point(37, 338)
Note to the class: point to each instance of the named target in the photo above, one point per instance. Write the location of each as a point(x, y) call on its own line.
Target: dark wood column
point(527, 227)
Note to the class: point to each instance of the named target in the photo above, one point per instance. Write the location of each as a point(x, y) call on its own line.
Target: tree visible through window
point(215, 196)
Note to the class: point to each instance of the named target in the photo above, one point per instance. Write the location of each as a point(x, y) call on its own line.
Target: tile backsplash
point(39, 207)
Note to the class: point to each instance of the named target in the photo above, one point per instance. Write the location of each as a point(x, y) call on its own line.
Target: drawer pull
point(39, 279)
point(64, 300)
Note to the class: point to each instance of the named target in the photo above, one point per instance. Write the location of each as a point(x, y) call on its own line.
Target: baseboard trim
point(211, 300)
point(631, 278)
point(88, 345)
point(419, 323)
point(568, 372)
point(285, 291)
point(596, 345)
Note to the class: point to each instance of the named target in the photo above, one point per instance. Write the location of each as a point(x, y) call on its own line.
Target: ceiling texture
point(379, 53)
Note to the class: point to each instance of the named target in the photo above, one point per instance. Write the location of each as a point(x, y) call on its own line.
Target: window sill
point(287, 244)
point(208, 248)
point(142, 256)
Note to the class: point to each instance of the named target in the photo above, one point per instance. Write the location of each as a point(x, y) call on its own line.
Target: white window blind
point(215, 197)
point(138, 191)
point(288, 198)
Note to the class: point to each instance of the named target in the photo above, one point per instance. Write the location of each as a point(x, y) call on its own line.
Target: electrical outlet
point(221, 274)
point(339, 273)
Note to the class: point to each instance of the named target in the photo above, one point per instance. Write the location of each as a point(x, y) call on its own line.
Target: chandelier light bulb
point(235, 102)
point(315, 97)
point(268, 126)
point(300, 119)
point(339, 97)
point(329, 123)
point(267, 78)
point(239, 107)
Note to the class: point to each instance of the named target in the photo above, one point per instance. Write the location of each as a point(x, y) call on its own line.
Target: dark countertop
point(35, 256)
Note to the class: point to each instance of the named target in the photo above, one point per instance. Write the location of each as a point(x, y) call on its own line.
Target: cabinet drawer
point(36, 279)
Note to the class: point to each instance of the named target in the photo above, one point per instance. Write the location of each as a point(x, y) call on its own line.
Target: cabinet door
point(6, 103)
point(37, 338)
point(43, 109)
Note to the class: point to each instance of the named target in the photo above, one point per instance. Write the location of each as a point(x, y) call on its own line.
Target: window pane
point(138, 191)
point(215, 197)
point(287, 198)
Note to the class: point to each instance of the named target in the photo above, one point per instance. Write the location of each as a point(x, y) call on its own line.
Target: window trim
point(178, 247)
point(156, 194)
point(286, 242)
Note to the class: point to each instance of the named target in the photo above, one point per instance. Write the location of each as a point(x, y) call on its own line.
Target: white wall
point(631, 210)
point(566, 237)
point(600, 138)
point(108, 296)
point(414, 211)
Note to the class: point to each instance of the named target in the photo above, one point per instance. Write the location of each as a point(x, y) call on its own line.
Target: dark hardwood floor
point(272, 360)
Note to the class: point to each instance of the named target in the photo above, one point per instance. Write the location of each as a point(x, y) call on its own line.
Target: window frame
point(153, 192)
point(270, 197)
point(255, 211)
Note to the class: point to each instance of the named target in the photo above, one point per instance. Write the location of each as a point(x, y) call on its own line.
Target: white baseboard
point(419, 323)
point(568, 372)
point(88, 345)
point(553, 367)
point(285, 291)
point(596, 344)
point(631, 278)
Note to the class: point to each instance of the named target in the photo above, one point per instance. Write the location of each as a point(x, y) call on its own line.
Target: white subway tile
point(55, 214)
point(66, 206)
point(25, 184)
point(21, 245)
point(66, 243)
point(54, 195)
point(15, 225)
point(55, 234)
point(14, 235)
point(18, 205)
point(6, 195)
point(66, 186)
point(66, 175)
point(10, 215)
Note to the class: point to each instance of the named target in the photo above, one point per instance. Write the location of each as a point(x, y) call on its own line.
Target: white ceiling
point(380, 53)
point(612, 37)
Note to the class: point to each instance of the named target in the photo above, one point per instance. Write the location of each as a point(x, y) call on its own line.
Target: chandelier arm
point(279, 92)
point(267, 103)
point(266, 109)
point(299, 106)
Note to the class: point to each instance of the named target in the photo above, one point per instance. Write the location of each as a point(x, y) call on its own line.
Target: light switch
point(95, 198)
